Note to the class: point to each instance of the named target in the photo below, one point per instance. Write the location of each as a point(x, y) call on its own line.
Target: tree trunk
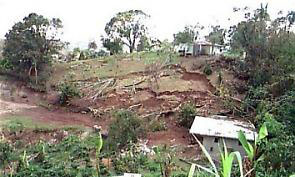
point(36, 74)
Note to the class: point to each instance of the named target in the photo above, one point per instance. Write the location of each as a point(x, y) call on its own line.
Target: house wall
point(202, 50)
point(199, 49)
point(214, 144)
point(217, 50)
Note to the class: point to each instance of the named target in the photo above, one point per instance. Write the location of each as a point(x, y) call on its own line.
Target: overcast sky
point(84, 20)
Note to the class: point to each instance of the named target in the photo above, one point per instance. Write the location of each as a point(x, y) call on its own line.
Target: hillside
point(153, 91)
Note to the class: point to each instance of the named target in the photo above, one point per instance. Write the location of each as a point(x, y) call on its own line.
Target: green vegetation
point(126, 28)
point(157, 125)
point(124, 129)
point(70, 157)
point(269, 48)
point(114, 46)
point(207, 70)
point(267, 72)
point(187, 115)
point(217, 35)
point(77, 155)
point(30, 44)
point(67, 91)
point(20, 123)
point(188, 35)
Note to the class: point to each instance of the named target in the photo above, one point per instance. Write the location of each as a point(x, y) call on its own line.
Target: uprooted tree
point(127, 27)
point(31, 43)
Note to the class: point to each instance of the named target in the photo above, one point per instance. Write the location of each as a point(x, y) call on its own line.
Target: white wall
point(214, 147)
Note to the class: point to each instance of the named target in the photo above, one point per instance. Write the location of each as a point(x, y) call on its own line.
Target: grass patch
point(25, 122)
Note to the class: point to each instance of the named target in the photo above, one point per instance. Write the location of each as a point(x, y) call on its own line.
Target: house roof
point(203, 43)
point(222, 127)
point(207, 43)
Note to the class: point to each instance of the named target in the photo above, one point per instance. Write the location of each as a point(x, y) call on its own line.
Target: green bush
point(126, 128)
point(187, 114)
point(255, 95)
point(67, 91)
point(5, 64)
point(278, 151)
point(6, 155)
point(207, 70)
point(157, 125)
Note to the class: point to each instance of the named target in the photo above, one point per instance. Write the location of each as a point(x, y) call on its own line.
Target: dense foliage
point(269, 68)
point(70, 157)
point(188, 35)
point(269, 45)
point(187, 115)
point(127, 28)
point(67, 91)
point(31, 43)
point(126, 128)
point(217, 35)
point(115, 46)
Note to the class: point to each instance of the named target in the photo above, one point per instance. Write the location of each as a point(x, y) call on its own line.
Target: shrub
point(67, 91)
point(157, 125)
point(6, 154)
point(255, 95)
point(187, 115)
point(15, 127)
point(5, 64)
point(207, 70)
point(124, 129)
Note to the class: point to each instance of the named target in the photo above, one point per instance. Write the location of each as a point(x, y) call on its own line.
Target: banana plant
point(251, 150)
point(226, 161)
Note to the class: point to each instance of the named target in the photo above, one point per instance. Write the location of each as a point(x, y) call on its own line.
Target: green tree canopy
point(188, 35)
point(92, 45)
point(113, 45)
point(128, 27)
point(269, 44)
point(217, 35)
point(31, 43)
point(143, 44)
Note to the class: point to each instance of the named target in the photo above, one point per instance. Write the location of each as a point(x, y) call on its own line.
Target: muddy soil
point(142, 100)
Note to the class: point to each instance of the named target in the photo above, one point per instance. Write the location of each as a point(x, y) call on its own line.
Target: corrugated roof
point(221, 127)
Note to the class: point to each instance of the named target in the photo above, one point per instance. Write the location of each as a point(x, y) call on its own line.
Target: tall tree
point(30, 44)
point(92, 45)
point(217, 35)
point(128, 27)
point(251, 35)
point(188, 35)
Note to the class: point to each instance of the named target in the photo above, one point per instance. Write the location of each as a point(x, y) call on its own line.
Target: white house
point(207, 48)
point(212, 130)
point(199, 48)
point(185, 49)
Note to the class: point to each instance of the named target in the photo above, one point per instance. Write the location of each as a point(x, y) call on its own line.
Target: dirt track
point(10, 107)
